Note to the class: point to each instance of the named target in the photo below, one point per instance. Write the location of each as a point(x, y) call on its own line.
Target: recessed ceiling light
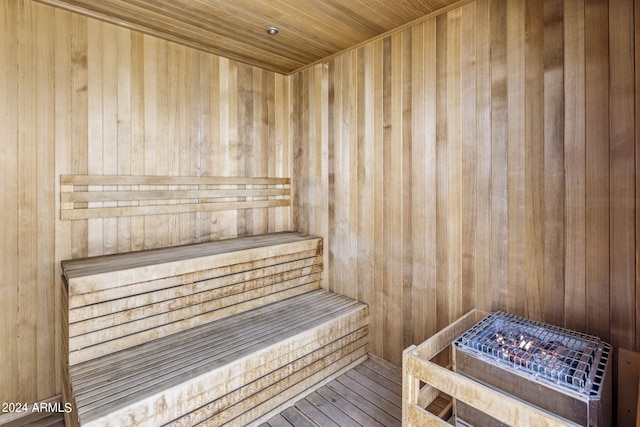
point(272, 30)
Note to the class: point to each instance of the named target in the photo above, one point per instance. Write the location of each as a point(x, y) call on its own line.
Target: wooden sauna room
point(286, 212)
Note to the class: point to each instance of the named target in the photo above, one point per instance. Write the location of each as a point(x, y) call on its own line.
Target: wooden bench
point(218, 333)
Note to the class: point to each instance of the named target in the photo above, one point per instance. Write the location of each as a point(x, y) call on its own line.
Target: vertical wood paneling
point(416, 293)
point(518, 174)
point(597, 163)
point(636, 9)
point(499, 165)
point(516, 157)
point(485, 157)
point(350, 171)
point(45, 141)
point(27, 184)
point(137, 127)
point(392, 211)
point(468, 281)
point(454, 167)
point(366, 155)
point(407, 184)
point(622, 153)
point(81, 96)
point(9, 202)
point(95, 95)
point(63, 231)
point(378, 303)
point(124, 132)
point(554, 179)
point(534, 159)
point(441, 182)
point(575, 165)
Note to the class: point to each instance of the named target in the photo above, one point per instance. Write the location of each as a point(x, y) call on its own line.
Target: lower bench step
point(230, 371)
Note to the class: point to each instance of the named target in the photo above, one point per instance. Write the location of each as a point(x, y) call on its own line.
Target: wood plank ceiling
point(309, 30)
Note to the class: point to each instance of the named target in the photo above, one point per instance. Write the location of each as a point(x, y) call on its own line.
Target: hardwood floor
point(368, 395)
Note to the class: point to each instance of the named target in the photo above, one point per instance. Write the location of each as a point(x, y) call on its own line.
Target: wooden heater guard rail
point(417, 368)
point(103, 196)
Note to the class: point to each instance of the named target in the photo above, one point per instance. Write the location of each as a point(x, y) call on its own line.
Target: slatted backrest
point(120, 301)
point(101, 196)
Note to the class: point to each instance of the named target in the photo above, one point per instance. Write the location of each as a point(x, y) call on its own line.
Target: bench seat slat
point(207, 358)
point(145, 317)
point(178, 326)
point(175, 343)
point(93, 270)
point(225, 285)
point(219, 333)
point(243, 404)
point(214, 342)
point(278, 263)
point(290, 332)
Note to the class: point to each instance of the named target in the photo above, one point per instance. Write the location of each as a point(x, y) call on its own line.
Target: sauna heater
point(558, 370)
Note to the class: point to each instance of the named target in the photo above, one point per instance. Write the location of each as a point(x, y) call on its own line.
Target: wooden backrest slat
point(103, 196)
point(169, 180)
point(134, 196)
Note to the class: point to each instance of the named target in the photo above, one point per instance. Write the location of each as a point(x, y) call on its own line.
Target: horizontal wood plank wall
point(85, 97)
point(482, 158)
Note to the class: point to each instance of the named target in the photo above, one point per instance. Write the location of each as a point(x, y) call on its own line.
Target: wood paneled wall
point(80, 96)
point(486, 157)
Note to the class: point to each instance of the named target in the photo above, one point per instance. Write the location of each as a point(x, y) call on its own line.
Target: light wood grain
point(508, 208)
point(622, 168)
point(201, 289)
point(210, 86)
point(309, 31)
point(9, 244)
point(598, 198)
point(516, 157)
point(85, 97)
point(554, 164)
point(575, 156)
point(26, 192)
point(213, 332)
point(282, 345)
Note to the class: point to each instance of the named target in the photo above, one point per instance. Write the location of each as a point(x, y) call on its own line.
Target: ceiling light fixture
point(272, 30)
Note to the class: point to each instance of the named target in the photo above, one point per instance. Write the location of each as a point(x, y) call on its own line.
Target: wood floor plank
point(364, 404)
point(355, 398)
point(331, 411)
point(377, 388)
point(373, 398)
point(314, 414)
point(279, 421)
point(296, 418)
point(384, 370)
point(380, 379)
point(349, 408)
